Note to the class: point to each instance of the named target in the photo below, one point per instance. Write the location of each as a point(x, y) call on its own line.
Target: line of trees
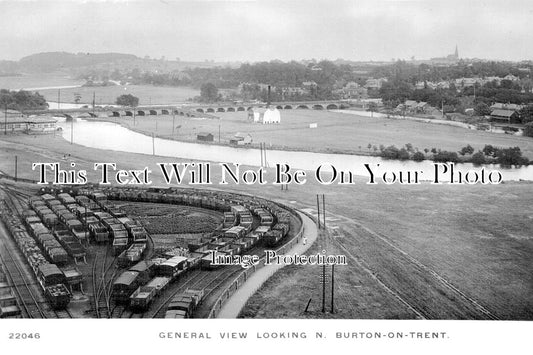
point(21, 100)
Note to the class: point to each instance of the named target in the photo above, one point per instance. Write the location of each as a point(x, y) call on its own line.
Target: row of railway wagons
point(50, 278)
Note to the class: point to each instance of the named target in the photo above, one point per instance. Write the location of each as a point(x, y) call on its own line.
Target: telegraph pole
point(324, 209)
point(71, 130)
point(16, 167)
point(94, 97)
point(324, 288)
point(332, 288)
point(174, 121)
point(318, 210)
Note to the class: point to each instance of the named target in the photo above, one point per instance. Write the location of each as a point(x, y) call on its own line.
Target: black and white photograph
point(340, 172)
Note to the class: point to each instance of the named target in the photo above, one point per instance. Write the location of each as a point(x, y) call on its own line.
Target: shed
point(204, 137)
point(241, 139)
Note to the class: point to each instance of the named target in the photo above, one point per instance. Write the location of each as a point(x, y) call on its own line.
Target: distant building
point(505, 116)
point(264, 115)
point(29, 125)
point(241, 139)
point(375, 84)
point(204, 137)
point(412, 106)
point(451, 58)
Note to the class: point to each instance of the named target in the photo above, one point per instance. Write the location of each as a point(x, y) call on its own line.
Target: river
point(107, 135)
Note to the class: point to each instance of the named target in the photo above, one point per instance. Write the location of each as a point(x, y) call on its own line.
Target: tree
point(418, 156)
point(510, 157)
point(482, 109)
point(489, 150)
point(127, 100)
point(478, 158)
point(466, 150)
point(208, 92)
point(526, 114)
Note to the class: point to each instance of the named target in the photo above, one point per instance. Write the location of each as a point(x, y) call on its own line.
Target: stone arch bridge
point(208, 111)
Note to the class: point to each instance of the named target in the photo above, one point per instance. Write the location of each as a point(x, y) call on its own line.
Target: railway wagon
point(175, 314)
point(139, 235)
point(124, 286)
point(235, 232)
point(50, 274)
point(99, 232)
point(71, 244)
point(159, 283)
point(229, 220)
point(119, 245)
point(74, 278)
point(66, 198)
point(50, 220)
point(58, 296)
point(142, 297)
point(272, 237)
point(31, 220)
point(102, 216)
point(260, 231)
point(172, 267)
point(146, 270)
point(29, 213)
point(206, 263)
point(187, 302)
point(131, 255)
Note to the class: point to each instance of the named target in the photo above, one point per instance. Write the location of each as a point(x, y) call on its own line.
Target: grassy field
point(403, 241)
point(336, 132)
point(147, 94)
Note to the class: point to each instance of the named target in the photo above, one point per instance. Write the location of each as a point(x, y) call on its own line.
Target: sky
point(265, 30)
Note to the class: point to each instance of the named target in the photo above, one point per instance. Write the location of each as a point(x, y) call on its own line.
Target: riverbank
point(336, 133)
point(458, 231)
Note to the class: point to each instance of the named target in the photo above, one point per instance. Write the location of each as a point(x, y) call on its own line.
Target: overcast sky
point(265, 30)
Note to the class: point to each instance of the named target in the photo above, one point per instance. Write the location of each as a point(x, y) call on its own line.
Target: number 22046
point(24, 336)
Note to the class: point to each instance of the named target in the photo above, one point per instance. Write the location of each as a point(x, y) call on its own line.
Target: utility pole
point(318, 210)
point(174, 120)
point(324, 288)
point(71, 130)
point(16, 167)
point(94, 97)
point(332, 288)
point(324, 209)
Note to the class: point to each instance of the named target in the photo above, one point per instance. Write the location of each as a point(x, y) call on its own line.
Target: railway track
point(419, 311)
point(30, 302)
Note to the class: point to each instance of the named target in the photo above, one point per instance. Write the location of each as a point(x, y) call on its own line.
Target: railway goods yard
point(128, 253)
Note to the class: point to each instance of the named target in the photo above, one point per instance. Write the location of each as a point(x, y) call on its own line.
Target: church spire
point(456, 52)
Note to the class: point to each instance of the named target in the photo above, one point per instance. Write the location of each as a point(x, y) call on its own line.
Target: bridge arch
point(318, 107)
point(92, 114)
point(140, 113)
point(230, 109)
point(302, 107)
point(201, 110)
point(240, 108)
point(343, 106)
point(332, 107)
point(165, 112)
point(128, 113)
point(115, 114)
point(210, 109)
point(182, 113)
point(153, 112)
point(279, 107)
point(288, 107)
point(221, 109)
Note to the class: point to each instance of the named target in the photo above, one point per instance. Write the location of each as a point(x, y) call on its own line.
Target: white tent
point(265, 115)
